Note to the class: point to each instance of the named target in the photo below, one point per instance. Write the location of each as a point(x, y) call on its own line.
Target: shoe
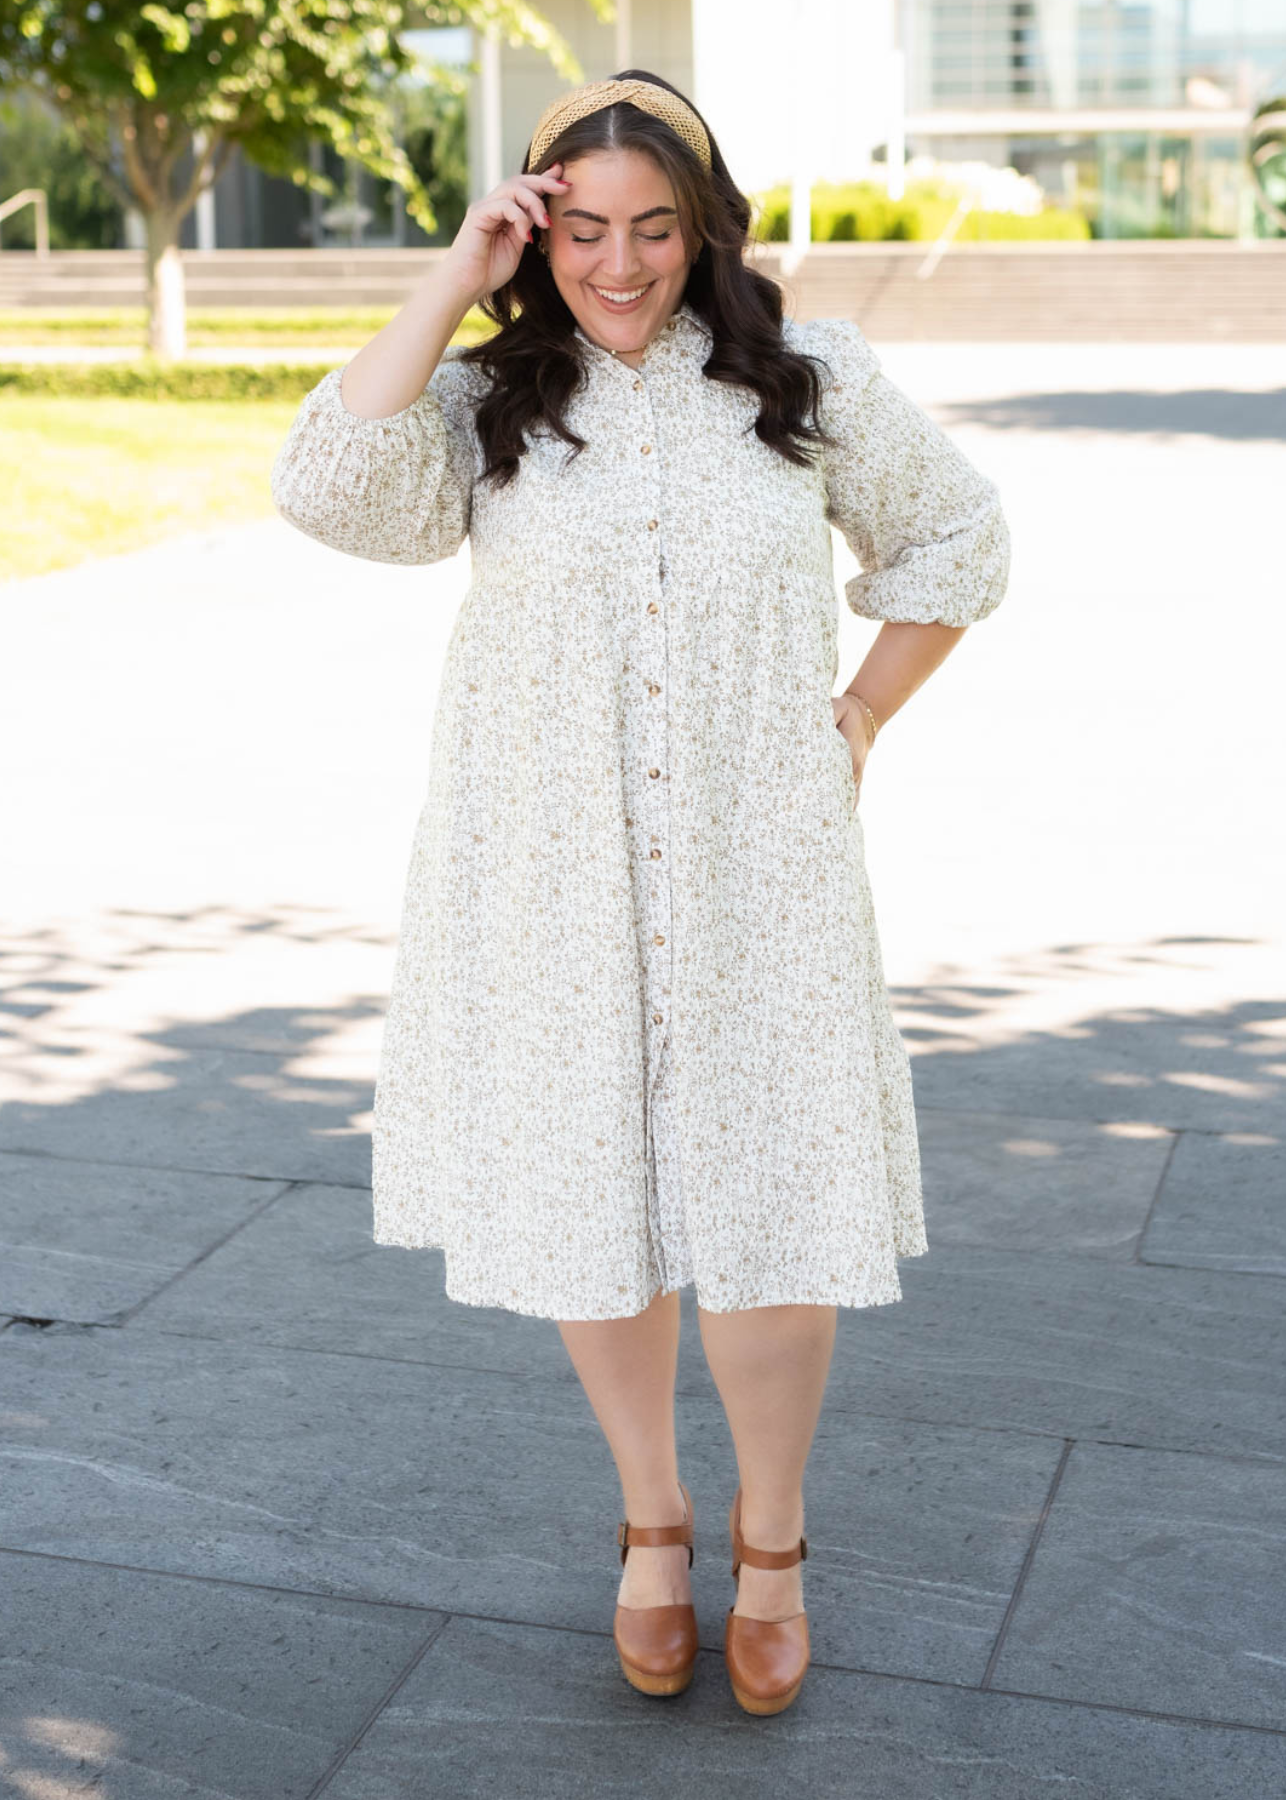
point(766, 1658)
point(657, 1645)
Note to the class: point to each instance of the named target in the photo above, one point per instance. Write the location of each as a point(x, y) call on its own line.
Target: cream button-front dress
point(639, 1034)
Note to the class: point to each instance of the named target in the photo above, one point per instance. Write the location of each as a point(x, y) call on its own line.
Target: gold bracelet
point(875, 730)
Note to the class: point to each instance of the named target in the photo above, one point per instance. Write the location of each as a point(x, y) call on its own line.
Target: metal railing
point(946, 237)
point(30, 197)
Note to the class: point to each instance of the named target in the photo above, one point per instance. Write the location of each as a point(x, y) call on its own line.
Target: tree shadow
point(141, 1164)
point(1203, 412)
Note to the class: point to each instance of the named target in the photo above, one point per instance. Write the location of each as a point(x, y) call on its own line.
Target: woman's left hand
point(854, 727)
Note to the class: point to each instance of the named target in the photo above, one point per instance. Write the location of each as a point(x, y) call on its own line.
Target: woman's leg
point(627, 1368)
point(770, 1365)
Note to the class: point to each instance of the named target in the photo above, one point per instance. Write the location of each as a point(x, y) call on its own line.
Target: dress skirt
point(670, 1258)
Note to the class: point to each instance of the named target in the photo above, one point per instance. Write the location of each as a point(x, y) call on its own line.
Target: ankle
point(772, 1524)
point(657, 1503)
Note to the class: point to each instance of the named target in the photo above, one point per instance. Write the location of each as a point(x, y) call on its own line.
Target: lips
point(636, 296)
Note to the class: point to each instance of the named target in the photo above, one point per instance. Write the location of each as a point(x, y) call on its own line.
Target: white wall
point(810, 79)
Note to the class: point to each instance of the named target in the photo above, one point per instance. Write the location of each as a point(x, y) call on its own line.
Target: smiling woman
point(639, 1036)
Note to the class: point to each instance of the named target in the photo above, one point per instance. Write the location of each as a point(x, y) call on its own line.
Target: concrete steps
point(1162, 291)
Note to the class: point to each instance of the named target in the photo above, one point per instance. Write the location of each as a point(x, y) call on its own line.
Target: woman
point(639, 1035)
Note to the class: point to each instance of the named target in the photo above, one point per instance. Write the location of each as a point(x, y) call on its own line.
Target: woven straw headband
point(582, 101)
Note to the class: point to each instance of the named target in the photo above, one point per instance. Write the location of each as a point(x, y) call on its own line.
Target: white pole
point(492, 138)
point(802, 152)
point(624, 35)
point(896, 151)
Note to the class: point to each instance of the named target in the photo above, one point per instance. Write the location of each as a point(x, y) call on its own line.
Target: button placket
point(650, 758)
point(647, 773)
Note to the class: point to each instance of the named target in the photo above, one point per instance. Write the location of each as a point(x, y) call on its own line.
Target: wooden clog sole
point(656, 1684)
point(778, 1703)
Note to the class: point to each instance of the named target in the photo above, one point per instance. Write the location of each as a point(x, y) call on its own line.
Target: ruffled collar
point(685, 329)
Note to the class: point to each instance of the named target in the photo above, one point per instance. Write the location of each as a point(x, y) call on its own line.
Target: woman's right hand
point(496, 229)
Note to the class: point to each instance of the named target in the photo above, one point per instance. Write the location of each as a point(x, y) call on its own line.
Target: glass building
point(1134, 113)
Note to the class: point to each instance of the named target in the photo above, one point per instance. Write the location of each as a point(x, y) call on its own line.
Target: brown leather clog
point(767, 1658)
point(657, 1645)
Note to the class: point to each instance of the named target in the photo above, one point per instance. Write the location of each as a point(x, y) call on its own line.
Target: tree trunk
point(166, 304)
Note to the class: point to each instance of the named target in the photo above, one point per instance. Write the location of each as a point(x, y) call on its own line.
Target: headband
point(647, 95)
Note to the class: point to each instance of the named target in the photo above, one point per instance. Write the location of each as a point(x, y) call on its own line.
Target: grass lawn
point(93, 477)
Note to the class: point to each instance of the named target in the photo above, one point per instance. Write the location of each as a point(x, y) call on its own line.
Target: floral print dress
point(639, 1035)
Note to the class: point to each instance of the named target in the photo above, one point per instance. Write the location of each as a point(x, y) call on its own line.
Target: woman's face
point(615, 231)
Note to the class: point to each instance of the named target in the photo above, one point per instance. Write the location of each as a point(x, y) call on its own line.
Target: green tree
point(39, 150)
point(159, 95)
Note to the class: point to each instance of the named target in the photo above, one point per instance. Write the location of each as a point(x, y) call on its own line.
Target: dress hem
point(885, 1293)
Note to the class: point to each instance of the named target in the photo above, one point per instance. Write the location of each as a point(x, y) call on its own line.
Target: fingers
point(520, 202)
point(533, 189)
point(509, 208)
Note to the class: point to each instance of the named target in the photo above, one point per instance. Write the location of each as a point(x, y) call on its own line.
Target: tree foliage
point(139, 82)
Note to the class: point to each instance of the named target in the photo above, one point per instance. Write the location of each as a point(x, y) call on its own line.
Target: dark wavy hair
point(534, 360)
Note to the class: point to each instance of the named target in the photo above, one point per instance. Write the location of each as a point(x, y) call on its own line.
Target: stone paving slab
point(1159, 1581)
point(1222, 1205)
point(1020, 1183)
point(465, 1490)
point(86, 1241)
point(305, 1274)
point(1051, 1344)
point(133, 1686)
point(505, 1709)
point(1217, 1073)
point(1182, 1359)
point(218, 1111)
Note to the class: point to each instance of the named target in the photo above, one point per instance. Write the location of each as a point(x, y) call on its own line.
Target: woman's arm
point(394, 488)
point(924, 522)
point(392, 370)
point(379, 461)
point(901, 659)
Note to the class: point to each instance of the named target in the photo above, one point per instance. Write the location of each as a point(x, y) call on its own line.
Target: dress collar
point(685, 328)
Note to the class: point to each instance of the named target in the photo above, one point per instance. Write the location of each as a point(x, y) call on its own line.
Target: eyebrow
point(653, 212)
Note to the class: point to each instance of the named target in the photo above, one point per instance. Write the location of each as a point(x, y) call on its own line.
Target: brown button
point(658, 939)
point(645, 448)
point(670, 326)
point(651, 524)
point(652, 688)
point(656, 1018)
point(652, 606)
point(637, 386)
point(654, 773)
point(656, 855)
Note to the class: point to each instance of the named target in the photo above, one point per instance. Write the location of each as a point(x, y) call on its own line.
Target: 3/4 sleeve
point(394, 490)
point(924, 523)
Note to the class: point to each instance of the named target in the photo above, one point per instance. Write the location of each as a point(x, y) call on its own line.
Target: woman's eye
point(657, 237)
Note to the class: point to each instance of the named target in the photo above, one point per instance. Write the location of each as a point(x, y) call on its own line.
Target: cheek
point(667, 258)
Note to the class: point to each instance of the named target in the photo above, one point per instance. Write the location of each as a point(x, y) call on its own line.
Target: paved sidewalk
point(278, 1521)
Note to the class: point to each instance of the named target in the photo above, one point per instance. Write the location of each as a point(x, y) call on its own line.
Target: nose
point(620, 258)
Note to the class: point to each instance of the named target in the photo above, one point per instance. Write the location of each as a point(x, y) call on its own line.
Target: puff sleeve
point(924, 523)
point(393, 490)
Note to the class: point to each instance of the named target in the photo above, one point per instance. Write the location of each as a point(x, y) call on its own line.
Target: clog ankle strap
point(767, 1559)
point(761, 1559)
point(651, 1536)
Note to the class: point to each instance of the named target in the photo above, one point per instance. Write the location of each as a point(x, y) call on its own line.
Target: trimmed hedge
point(861, 212)
point(148, 380)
